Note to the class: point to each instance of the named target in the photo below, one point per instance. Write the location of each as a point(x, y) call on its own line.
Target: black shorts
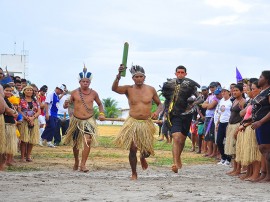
point(165, 128)
point(77, 131)
point(181, 124)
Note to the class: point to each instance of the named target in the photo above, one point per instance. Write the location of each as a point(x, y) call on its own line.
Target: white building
point(17, 65)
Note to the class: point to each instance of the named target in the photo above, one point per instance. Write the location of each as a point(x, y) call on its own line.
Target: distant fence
point(118, 121)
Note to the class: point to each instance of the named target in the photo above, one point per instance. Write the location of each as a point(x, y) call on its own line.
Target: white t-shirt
point(53, 102)
point(224, 110)
point(62, 112)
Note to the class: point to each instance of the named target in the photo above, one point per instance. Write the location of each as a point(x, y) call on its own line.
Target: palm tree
point(110, 107)
point(96, 112)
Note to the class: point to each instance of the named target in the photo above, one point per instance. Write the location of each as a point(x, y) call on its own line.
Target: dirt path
point(193, 183)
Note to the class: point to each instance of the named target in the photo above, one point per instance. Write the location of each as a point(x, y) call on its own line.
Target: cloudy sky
point(209, 37)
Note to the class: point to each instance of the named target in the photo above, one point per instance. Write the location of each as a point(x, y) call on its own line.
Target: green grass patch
point(105, 141)
point(22, 169)
point(161, 161)
point(162, 145)
point(52, 155)
point(106, 155)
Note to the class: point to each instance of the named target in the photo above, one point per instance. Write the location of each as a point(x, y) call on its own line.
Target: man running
point(81, 132)
point(138, 130)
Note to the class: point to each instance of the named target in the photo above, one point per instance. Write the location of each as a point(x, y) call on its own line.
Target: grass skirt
point(75, 135)
point(141, 132)
point(250, 147)
point(239, 146)
point(29, 135)
point(2, 135)
point(11, 139)
point(230, 144)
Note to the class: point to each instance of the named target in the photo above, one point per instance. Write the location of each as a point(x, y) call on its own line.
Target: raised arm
point(115, 87)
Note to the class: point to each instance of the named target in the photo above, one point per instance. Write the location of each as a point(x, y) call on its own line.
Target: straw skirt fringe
point(230, 144)
point(2, 135)
point(141, 132)
point(11, 139)
point(29, 135)
point(239, 146)
point(250, 147)
point(75, 135)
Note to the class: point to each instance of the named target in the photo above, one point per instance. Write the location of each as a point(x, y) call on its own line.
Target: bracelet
point(118, 77)
point(101, 114)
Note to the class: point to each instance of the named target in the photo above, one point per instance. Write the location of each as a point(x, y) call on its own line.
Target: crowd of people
point(230, 123)
point(29, 116)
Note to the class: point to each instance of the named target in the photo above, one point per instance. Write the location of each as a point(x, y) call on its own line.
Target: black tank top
point(9, 119)
point(235, 114)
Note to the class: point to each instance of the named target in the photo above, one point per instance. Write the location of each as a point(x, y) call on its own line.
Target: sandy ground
point(108, 179)
point(192, 183)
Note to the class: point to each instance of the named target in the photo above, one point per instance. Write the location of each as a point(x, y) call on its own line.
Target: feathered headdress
point(85, 75)
point(136, 70)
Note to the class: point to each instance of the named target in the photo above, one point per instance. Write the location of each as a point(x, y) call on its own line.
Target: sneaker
point(227, 163)
point(50, 144)
point(44, 142)
point(40, 143)
point(221, 162)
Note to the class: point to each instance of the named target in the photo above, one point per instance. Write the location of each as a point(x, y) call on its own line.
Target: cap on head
point(44, 88)
point(227, 88)
point(85, 75)
point(136, 69)
point(204, 88)
point(213, 84)
point(61, 87)
point(218, 91)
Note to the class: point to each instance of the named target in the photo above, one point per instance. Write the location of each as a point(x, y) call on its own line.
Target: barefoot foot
point(134, 176)
point(75, 167)
point(144, 163)
point(174, 169)
point(228, 173)
point(265, 179)
point(84, 169)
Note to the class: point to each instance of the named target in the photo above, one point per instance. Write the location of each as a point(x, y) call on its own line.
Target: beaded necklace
point(84, 104)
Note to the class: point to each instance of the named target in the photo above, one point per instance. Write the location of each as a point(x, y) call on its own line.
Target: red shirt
point(42, 99)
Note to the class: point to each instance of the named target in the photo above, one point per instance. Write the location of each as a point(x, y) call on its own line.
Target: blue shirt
point(53, 102)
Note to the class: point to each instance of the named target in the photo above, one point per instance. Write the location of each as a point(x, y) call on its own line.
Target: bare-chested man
point(138, 130)
point(82, 128)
